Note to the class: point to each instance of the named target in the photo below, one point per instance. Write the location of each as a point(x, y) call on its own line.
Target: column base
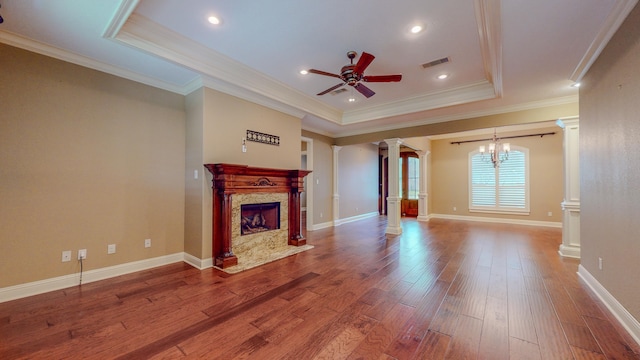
point(569, 251)
point(298, 241)
point(225, 262)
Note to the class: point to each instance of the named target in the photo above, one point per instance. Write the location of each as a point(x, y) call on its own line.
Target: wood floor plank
point(441, 289)
point(433, 347)
point(551, 338)
point(612, 344)
point(494, 343)
point(466, 341)
point(523, 350)
point(382, 334)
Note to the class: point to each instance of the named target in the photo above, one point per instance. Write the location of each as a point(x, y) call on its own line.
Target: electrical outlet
point(321, 215)
point(147, 243)
point(549, 213)
point(599, 263)
point(455, 208)
point(111, 249)
point(66, 256)
point(82, 254)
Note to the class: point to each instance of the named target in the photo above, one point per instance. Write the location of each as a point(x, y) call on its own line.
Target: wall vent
point(436, 62)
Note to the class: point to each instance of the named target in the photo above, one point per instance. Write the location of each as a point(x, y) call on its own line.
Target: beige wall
point(450, 171)
point(610, 166)
point(358, 180)
point(322, 176)
point(86, 160)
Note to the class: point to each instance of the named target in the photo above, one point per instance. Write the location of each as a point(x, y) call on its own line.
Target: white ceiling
point(504, 55)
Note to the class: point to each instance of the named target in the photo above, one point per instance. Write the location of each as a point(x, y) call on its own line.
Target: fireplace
point(255, 218)
point(243, 194)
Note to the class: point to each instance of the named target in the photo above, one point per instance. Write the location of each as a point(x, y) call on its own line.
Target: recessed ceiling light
point(443, 76)
point(304, 72)
point(352, 99)
point(416, 29)
point(214, 20)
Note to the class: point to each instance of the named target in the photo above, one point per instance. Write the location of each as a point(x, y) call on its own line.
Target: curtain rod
point(500, 138)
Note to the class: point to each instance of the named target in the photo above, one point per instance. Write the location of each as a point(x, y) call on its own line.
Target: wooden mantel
point(229, 179)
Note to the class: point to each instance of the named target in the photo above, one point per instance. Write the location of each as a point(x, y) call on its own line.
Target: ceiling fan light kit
point(353, 74)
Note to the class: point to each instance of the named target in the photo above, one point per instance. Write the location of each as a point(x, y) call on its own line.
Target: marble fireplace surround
point(237, 185)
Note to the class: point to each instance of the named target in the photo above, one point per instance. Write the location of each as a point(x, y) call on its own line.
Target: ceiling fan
point(352, 75)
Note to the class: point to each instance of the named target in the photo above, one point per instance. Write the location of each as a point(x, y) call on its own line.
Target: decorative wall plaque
point(263, 138)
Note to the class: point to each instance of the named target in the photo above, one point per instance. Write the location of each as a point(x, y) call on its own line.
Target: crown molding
point(466, 115)
point(489, 19)
point(120, 18)
point(156, 39)
point(618, 14)
point(64, 55)
point(482, 90)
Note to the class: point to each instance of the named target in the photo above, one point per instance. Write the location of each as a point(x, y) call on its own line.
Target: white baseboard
point(497, 220)
point(61, 282)
point(198, 263)
point(325, 225)
point(356, 218)
point(622, 315)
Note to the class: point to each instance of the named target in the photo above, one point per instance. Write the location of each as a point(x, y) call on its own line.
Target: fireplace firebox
point(255, 218)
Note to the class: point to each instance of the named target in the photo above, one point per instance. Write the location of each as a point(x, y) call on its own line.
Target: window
point(413, 177)
point(504, 189)
point(409, 175)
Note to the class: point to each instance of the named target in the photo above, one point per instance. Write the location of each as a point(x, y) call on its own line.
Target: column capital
point(564, 122)
point(336, 148)
point(394, 141)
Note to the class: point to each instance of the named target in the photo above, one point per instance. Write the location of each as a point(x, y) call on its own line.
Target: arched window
point(500, 189)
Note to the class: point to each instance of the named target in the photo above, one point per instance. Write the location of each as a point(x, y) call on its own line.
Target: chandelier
point(498, 151)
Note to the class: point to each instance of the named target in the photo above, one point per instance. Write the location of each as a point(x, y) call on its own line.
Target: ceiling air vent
point(338, 91)
point(435, 62)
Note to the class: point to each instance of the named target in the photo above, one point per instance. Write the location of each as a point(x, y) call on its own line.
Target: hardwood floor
point(441, 290)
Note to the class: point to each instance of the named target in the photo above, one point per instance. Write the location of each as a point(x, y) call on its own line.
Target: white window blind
point(500, 189)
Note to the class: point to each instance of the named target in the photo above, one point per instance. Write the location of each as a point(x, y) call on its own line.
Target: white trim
point(482, 90)
point(424, 218)
point(65, 281)
point(310, 181)
point(623, 316)
point(498, 220)
point(620, 11)
point(570, 251)
point(339, 222)
point(198, 263)
point(532, 105)
point(489, 19)
point(120, 18)
point(323, 225)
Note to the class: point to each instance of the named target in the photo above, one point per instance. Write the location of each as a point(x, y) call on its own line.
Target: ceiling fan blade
point(331, 89)
point(383, 78)
point(320, 72)
point(364, 90)
point(363, 62)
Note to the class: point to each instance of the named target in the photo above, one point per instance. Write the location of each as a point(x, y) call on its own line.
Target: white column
point(570, 246)
point(423, 196)
point(336, 193)
point(393, 200)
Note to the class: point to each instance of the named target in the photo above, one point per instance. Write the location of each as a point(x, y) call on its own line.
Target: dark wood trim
point(230, 179)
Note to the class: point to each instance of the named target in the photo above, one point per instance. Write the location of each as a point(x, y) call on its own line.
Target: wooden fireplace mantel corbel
point(229, 179)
